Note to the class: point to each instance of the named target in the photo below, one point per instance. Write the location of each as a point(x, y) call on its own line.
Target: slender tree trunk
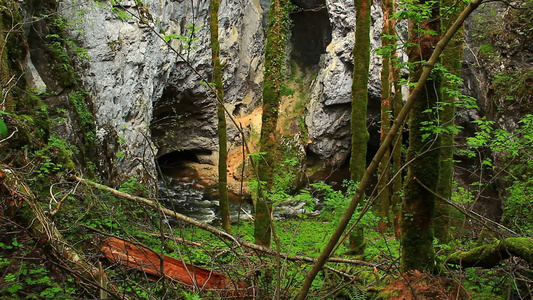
point(392, 103)
point(384, 200)
point(222, 130)
point(452, 61)
point(396, 199)
point(361, 56)
point(423, 153)
point(269, 140)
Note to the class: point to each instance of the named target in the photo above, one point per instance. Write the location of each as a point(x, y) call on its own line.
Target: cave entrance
point(310, 33)
point(180, 158)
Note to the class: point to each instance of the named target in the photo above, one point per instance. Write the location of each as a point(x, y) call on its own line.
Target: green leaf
point(3, 128)
point(14, 288)
point(170, 37)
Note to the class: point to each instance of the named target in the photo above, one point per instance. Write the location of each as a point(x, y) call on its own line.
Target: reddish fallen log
point(146, 260)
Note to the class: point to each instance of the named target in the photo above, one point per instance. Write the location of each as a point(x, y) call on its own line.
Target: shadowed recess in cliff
point(183, 120)
point(181, 157)
point(310, 33)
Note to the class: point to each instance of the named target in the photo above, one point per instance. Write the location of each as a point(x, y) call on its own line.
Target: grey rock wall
point(328, 120)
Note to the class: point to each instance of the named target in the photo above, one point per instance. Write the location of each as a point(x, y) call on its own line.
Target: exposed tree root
point(488, 256)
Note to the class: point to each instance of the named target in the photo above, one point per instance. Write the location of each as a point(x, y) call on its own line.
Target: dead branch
point(214, 230)
point(43, 229)
point(146, 260)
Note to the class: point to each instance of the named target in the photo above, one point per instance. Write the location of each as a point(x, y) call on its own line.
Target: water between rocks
point(185, 198)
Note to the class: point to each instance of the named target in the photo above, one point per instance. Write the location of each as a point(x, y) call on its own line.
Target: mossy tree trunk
point(384, 200)
point(396, 199)
point(452, 58)
point(392, 103)
point(488, 256)
point(222, 130)
point(419, 203)
point(360, 135)
point(270, 141)
point(361, 56)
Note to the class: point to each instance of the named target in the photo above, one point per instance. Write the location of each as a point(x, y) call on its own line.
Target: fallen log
point(488, 256)
point(152, 263)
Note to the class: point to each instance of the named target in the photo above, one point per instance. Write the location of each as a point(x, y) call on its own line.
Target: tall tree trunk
point(392, 103)
point(423, 153)
point(222, 130)
point(384, 189)
point(361, 56)
point(396, 199)
point(360, 135)
point(452, 61)
point(269, 140)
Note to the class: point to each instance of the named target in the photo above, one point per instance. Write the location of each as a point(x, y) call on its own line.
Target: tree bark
point(269, 140)
point(361, 57)
point(222, 130)
point(148, 261)
point(424, 153)
point(396, 199)
point(384, 171)
point(452, 61)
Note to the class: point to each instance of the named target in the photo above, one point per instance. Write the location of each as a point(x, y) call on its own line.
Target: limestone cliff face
point(328, 120)
point(149, 97)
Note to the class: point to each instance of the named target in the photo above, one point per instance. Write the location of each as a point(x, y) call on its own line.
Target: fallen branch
point(213, 230)
point(39, 225)
point(487, 256)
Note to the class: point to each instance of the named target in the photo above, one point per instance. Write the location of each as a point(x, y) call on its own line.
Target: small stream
point(185, 199)
point(186, 193)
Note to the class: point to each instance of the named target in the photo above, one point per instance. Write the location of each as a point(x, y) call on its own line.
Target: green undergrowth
point(87, 216)
point(27, 273)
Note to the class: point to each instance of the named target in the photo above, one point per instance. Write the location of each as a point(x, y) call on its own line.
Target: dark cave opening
point(180, 158)
point(310, 33)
